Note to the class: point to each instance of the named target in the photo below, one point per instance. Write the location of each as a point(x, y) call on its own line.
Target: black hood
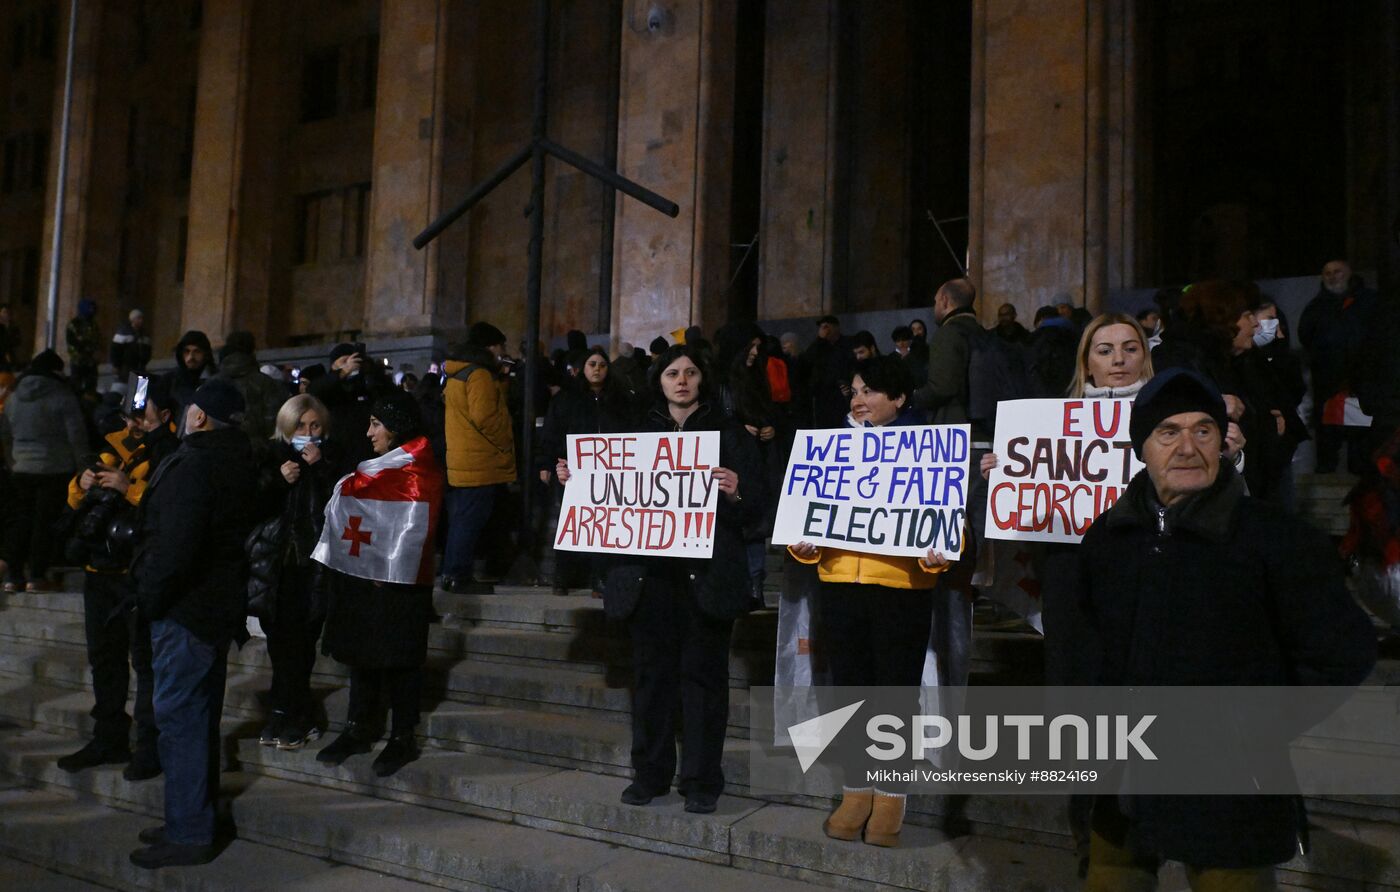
point(198, 339)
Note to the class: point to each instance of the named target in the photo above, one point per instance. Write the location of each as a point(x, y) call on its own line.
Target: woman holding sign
point(876, 609)
point(680, 611)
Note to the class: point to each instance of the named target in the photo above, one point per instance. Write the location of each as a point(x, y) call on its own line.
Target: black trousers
point(292, 632)
point(112, 637)
point(875, 636)
point(680, 657)
point(35, 504)
point(405, 687)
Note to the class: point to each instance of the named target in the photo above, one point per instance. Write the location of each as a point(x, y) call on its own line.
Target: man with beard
point(194, 363)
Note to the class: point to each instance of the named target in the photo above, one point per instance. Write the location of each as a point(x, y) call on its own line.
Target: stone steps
point(36, 827)
point(462, 821)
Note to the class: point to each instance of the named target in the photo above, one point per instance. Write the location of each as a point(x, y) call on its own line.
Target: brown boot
point(850, 816)
point(886, 818)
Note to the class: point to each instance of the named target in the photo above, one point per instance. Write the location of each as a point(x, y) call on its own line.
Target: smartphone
point(296, 376)
point(137, 387)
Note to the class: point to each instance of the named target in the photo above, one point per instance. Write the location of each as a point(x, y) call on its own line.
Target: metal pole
point(532, 282)
point(60, 194)
point(511, 165)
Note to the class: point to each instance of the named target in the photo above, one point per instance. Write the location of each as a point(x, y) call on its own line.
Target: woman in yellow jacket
point(875, 611)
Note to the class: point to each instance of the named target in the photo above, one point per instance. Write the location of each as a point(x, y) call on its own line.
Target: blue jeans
point(189, 700)
point(468, 510)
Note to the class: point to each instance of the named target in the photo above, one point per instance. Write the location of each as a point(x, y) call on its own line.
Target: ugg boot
point(850, 816)
point(886, 819)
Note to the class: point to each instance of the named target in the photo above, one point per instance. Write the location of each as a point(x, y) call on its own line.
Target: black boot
point(144, 764)
point(401, 749)
point(351, 742)
point(94, 754)
point(756, 601)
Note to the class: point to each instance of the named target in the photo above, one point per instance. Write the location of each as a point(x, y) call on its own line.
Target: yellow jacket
point(124, 454)
point(480, 445)
point(839, 565)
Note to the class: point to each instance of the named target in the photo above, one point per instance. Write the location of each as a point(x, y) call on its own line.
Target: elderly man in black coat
point(1189, 581)
point(192, 577)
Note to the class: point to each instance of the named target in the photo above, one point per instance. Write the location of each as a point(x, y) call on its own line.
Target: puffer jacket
point(42, 428)
point(480, 444)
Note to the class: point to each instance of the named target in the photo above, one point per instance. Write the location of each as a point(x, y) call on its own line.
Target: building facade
point(261, 165)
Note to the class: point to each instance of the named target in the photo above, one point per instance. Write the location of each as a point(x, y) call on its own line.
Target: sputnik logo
point(812, 737)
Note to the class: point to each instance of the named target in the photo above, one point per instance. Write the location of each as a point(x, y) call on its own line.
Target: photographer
point(105, 497)
point(347, 391)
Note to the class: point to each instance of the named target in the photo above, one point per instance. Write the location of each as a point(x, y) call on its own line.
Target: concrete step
point(38, 827)
point(553, 817)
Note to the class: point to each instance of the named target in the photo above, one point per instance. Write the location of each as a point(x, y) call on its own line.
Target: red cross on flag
point(380, 520)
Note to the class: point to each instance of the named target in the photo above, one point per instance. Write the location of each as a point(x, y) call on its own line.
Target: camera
point(105, 533)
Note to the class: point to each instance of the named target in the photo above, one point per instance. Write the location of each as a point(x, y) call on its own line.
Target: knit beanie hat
point(398, 411)
point(1174, 392)
point(483, 335)
point(46, 363)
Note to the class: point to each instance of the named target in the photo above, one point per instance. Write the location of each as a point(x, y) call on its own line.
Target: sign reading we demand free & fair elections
point(879, 490)
point(640, 493)
point(1061, 464)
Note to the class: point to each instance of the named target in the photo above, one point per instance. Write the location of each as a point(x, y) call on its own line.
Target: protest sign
point(642, 493)
point(1062, 464)
point(879, 490)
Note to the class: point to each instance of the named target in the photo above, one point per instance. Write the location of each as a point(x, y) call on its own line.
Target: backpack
point(996, 371)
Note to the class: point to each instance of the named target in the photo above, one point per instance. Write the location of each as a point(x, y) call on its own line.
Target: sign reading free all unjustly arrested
point(641, 493)
point(879, 490)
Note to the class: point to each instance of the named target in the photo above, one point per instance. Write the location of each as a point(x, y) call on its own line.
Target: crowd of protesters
point(214, 492)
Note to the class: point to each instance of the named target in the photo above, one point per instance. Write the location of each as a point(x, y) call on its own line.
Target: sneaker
point(351, 742)
point(95, 754)
point(42, 585)
point(401, 749)
point(273, 730)
point(295, 734)
point(144, 765)
point(169, 854)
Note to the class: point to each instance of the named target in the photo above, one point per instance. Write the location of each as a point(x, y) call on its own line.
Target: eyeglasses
point(1203, 434)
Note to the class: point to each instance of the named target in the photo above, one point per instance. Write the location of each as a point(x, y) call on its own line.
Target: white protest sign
point(878, 490)
point(642, 493)
point(1062, 464)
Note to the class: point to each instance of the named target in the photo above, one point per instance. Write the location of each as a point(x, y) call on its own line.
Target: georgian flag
point(381, 519)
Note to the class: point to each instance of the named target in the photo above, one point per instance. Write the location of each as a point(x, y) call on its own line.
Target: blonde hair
point(1086, 340)
point(289, 416)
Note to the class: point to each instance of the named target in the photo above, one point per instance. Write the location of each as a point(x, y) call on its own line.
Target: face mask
point(1268, 330)
point(299, 443)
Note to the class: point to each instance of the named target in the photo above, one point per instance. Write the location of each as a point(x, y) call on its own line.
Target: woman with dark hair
point(1280, 368)
point(380, 585)
point(1211, 333)
point(680, 612)
point(876, 612)
point(594, 401)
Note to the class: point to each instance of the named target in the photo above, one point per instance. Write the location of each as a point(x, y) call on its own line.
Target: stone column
point(220, 129)
point(796, 236)
point(82, 144)
point(1045, 150)
point(676, 82)
point(409, 291)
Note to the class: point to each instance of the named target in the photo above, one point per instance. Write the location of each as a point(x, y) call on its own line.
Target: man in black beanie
point(353, 383)
point(480, 448)
point(1187, 580)
point(191, 583)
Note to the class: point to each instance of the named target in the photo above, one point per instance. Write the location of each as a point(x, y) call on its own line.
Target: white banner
point(641, 493)
point(878, 490)
point(1062, 463)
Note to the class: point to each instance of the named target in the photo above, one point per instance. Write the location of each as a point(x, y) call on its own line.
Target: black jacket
point(349, 401)
point(720, 584)
point(577, 410)
point(196, 514)
point(1219, 589)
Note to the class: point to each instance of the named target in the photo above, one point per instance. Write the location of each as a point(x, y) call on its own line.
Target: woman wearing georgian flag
point(378, 547)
